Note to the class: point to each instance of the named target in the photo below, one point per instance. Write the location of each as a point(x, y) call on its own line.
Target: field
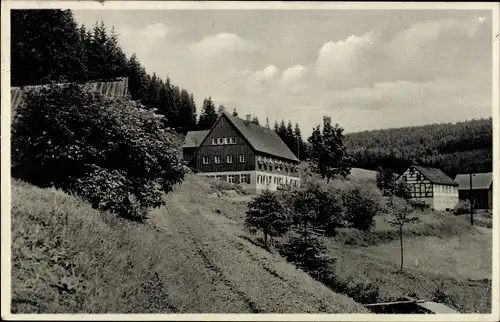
point(195, 256)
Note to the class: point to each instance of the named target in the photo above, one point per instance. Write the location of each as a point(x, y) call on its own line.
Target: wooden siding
point(420, 186)
point(267, 168)
point(223, 129)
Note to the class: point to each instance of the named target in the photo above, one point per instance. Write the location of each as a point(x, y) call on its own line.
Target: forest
point(461, 147)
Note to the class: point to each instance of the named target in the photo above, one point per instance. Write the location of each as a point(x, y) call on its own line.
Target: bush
point(107, 150)
point(311, 256)
point(463, 207)
point(418, 204)
point(319, 204)
point(363, 292)
point(361, 206)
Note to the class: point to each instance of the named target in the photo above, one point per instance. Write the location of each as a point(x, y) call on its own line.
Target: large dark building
point(242, 152)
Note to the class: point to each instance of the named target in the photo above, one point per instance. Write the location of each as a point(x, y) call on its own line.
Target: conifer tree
point(208, 115)
point(267, 214)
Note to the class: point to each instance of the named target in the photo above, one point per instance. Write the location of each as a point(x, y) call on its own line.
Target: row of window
point(276, 180)
point(222, 141)
point(233, 178)
point(446, 189)
point(229, 159)
point(278, 168)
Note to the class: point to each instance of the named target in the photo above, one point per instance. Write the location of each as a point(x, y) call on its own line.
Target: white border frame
point(225, 5)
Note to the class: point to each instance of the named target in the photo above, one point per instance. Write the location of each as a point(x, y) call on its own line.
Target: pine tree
point(255, 120)
point(276, 128)
point(137, 79)
point(235, 113)
point(299, 142)
point(46, 46)
point(208, 115)
point(221, 109)
point(267, 122)
point(268, 214)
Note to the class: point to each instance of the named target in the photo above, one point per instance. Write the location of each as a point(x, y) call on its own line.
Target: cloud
point(345, 58)
point(223, 43)
point(146, 37)
point(294, 74)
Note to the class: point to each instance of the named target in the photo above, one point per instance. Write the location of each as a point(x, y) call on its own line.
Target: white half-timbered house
point(432, 186)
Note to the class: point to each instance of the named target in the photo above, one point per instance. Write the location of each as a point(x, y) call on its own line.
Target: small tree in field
point(401, 215)
point(267, 213)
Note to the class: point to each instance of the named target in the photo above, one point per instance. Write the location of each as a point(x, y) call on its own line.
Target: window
point(232, 140)
point(244, 178)
point(205, 160)
point(243, 158)
point(218, 177)
point(214, 141)
point(231, 178)
point(217, 159)
point(225, 141)
point(270, 168)
point(229, 159)
point(219, 141)
point(412, 171)
point(418, 177)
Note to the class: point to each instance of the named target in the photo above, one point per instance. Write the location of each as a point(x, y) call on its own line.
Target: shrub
point(362, 292)
point(314, 204)
point(311, 256)
point(105, 149)
point(418, 204)
point(361, 206)
point(463, 207)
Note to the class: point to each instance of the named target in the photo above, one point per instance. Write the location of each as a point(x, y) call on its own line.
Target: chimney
point(248, 118)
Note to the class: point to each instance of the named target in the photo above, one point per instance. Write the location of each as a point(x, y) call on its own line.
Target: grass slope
point(68, 257)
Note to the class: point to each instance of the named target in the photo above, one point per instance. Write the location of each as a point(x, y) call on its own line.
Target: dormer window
point(220, 141)
point(232, 140)
point(214, 141)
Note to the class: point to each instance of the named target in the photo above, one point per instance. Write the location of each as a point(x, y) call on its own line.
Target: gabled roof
point(435, 175)
point(260, 138)
point(194, 138)
point(117, 88)
point(479, 181)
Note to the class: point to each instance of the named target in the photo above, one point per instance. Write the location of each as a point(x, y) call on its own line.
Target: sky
point(366, 69)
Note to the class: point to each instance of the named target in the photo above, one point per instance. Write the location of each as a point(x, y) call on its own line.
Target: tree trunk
point(401, 242)
point(305, 231)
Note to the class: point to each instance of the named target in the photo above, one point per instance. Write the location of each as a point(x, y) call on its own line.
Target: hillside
point(190, 258)
point(456, 148)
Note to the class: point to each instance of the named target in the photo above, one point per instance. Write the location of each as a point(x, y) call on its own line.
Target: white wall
point(445, 197)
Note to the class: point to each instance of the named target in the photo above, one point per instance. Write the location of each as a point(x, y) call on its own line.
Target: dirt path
point(228, 274)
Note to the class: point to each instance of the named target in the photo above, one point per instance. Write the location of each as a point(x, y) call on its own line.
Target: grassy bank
point(70, 258)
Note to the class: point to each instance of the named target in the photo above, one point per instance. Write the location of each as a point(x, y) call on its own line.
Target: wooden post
point(470, 200)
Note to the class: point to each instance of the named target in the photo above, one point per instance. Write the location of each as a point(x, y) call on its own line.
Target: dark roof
point(194, 138)
point(435, 175)
point(262, 139)
point(479, 181)
point(117, 88)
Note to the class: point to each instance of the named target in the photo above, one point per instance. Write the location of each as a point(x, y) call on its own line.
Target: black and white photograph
point(227, 159)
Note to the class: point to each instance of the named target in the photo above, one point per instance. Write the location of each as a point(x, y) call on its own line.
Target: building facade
point(482, 189)
point(432, 186)
point(239, 151)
